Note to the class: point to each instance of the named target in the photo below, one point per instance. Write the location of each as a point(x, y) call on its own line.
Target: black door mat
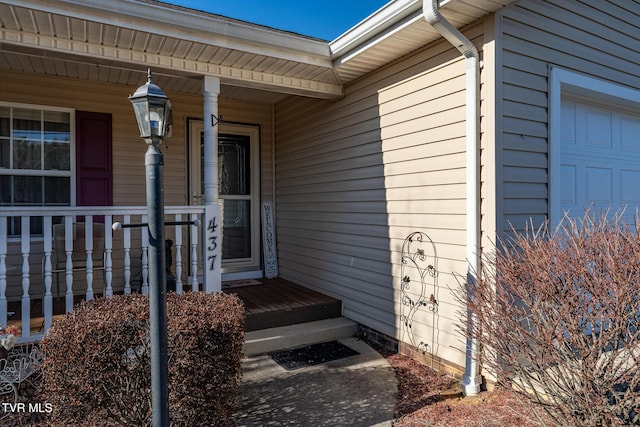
point(312, 355)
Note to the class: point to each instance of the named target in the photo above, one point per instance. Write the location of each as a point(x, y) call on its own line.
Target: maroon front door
point(94, 177)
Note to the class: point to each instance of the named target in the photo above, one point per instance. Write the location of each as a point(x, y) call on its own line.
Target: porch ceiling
point(43, 62)
point(117, 40)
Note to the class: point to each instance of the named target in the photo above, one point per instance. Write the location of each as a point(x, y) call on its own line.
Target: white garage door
point(600, 158)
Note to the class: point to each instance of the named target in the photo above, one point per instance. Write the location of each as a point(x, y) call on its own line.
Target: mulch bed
point(427, 398)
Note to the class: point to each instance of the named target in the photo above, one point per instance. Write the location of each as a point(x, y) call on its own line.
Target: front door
point(238, 188)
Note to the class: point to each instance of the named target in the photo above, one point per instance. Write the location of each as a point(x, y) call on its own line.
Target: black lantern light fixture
point(153, 110)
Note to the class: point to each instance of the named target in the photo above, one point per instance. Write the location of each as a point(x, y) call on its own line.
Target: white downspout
point(471, 380)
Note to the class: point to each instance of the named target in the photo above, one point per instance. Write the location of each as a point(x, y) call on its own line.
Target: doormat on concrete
point(312, 355)
point(240, 283)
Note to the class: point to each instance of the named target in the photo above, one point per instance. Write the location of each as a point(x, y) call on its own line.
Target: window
point(35, 159)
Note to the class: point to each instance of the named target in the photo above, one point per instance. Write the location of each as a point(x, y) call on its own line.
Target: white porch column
point(210, 92)
point(212, 232)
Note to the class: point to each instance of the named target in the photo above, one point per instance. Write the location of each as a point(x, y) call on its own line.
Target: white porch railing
point(38, 245)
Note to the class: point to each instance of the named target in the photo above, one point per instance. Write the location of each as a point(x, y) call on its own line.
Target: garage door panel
point(596, 158)
point(569, 189)
point(567, 127)
point(601, 167)
point(597, 129)
point(630, 133)
point(630, 187)
point(599, 186)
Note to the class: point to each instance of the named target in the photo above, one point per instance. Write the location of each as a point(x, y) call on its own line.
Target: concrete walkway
point(354, 391)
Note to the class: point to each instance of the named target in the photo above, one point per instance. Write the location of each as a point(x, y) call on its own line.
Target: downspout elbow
point(431, 13)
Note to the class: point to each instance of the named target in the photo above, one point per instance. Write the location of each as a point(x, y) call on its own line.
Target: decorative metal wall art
point(419, 286)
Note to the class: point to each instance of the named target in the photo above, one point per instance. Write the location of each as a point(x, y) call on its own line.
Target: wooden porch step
point(277, 302)
point(292, 336)
point(292, 316)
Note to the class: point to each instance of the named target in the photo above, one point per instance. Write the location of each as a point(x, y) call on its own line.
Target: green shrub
point(97, 366)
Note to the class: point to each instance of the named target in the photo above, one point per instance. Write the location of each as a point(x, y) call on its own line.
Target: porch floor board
point(278, 302)
point(273, 303)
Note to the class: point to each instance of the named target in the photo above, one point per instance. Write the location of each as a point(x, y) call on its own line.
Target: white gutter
point(374, 28)
point(471, 380)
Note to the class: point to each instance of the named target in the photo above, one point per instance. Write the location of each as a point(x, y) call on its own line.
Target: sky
point(323, 19)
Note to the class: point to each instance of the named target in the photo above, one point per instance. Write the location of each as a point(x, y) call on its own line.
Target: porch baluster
point(88, 242)
point(3, 271)
point(145, 258)
point(178, 255)
point(186, 252)
point(68, 249)
point(127, 256)
point(48, 299)
point(26, 300)
point(108, 274)
point(194, 255)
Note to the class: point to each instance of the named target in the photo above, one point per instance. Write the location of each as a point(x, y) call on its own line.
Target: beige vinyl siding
point(596, 38)
point(129, 150)
point(356, 176)
point(332, 152)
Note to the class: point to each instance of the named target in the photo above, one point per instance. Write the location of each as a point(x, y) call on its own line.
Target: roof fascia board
point(369, 43)
point(189, 25)
point(385, 22)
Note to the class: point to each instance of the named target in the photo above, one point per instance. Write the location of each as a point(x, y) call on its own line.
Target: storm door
point(238, 189)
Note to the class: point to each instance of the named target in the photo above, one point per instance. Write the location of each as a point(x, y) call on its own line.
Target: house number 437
point(212, 242)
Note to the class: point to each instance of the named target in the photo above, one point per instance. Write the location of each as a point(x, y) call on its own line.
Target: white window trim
point(72, 140)
point(561, 84)
point(72, 153)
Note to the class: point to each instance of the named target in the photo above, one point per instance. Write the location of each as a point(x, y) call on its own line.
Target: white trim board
point(562, 83)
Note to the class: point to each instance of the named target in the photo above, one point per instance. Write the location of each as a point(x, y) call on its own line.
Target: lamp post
point(152, 108)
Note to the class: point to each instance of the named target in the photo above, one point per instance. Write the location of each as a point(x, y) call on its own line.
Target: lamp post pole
point(154, 164)
point(152, 108)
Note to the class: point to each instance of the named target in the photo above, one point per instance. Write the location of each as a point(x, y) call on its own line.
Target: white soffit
point(116, 40)
point(66, 37)
point(398, 29)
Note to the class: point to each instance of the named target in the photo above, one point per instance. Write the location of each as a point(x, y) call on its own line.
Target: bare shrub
point(97, 365)
point(558, 315)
